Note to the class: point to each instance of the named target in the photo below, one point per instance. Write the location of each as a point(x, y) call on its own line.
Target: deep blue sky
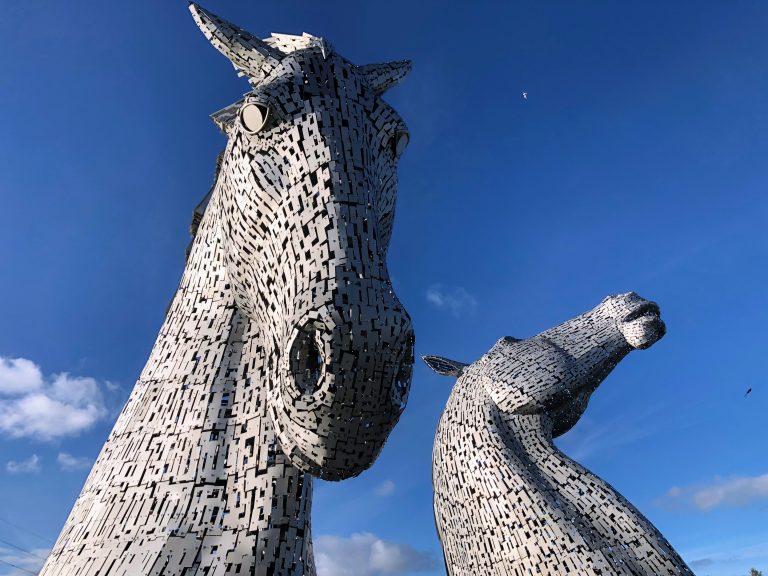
point(639, 161)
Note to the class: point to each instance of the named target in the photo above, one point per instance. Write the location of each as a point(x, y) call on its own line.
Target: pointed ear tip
point(444, 366)
point(197, 11)
point(402, 67)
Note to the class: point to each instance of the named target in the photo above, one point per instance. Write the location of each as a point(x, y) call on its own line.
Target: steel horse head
point(307, 189)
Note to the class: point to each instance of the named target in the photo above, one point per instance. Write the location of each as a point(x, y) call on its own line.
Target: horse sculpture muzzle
point(344, 383)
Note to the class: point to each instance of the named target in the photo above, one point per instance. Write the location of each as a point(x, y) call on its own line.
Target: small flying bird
point(525, 95)
point(748, 391)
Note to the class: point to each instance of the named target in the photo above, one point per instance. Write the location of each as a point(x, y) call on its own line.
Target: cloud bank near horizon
point(46, 408)
point(365, 554)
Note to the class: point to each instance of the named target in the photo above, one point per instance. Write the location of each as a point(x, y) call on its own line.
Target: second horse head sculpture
point(506, 500)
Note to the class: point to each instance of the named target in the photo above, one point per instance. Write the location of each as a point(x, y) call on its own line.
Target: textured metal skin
point(506, 500)
point(284, 351)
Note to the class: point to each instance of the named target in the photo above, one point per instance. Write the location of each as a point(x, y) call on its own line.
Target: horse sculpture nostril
point(306, 360)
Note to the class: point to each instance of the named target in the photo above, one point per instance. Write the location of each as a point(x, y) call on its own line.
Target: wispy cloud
point(32, 406)
point(69, 462)
point(28, 466)
point(590, 437)
point(367, 555)
point(454, 300)
point(736, 491)
point(112, 386)
point(701, 563)
point(22, 562)
point(386, 488)
point(727, 558)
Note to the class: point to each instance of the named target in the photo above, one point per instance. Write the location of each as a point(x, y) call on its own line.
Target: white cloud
point(112, 386)
point(386, 488)
point(32, 406)
point(455, 300)
point(22, 563)
point(738, 491)
point(19, 376)
point(69, 462)
point(31, 464)
point(367, 555)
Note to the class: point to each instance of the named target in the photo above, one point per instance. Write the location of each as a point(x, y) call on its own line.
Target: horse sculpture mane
point(284, 352)
point(506, 500)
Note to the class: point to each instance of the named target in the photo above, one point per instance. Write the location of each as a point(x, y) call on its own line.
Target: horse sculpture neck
point(193, 458)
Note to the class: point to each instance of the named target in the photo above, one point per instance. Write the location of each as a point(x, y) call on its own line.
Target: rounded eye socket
point(400, 142)
point(253, 117)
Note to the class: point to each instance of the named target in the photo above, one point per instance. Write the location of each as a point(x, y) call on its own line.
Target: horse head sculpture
point(506, 500)
point(306, 205)
point(284, 353)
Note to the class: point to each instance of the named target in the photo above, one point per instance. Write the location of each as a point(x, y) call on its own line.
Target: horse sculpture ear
point(444, 366)
point(381, 77)
point(251, 56)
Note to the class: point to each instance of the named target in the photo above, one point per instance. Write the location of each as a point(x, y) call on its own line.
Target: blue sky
point(639, 161)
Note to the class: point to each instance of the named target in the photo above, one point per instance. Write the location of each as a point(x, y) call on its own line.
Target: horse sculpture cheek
point(506, 499)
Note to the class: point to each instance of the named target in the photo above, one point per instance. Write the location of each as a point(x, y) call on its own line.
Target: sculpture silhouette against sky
point(506, 500)
point(285, 351)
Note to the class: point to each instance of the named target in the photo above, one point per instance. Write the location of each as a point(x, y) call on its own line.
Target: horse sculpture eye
point(253, 117)
point(399, 142)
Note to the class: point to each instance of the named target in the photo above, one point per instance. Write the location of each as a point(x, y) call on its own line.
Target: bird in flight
point(525, 95)
point(748, 391)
